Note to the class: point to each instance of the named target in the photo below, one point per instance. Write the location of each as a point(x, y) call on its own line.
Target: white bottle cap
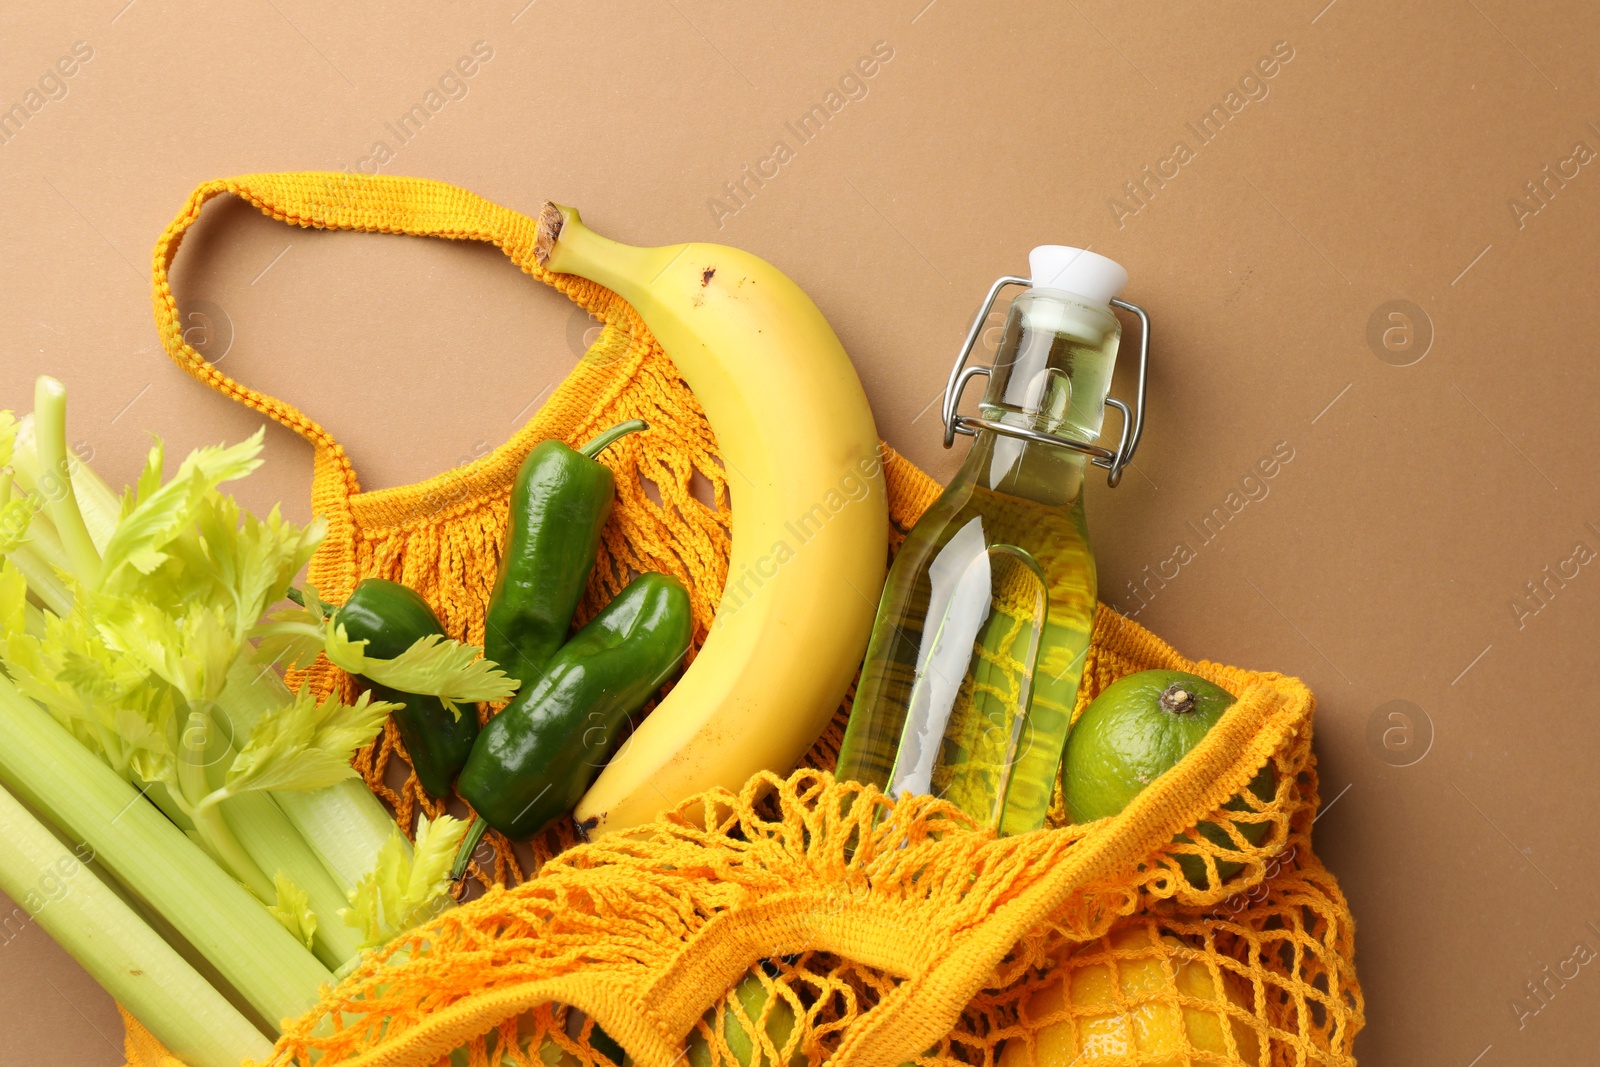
point(1076, 270)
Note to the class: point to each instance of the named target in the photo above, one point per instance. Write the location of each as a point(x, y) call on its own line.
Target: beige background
point(1380, 565)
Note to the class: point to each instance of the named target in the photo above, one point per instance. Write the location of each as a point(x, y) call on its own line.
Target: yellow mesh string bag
point(875, 932)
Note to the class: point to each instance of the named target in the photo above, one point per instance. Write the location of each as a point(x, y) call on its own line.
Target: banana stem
point(565, 245)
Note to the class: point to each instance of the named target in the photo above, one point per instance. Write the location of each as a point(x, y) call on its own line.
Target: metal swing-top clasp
point(1132, 421)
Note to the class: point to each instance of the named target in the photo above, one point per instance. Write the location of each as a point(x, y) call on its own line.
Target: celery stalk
point(42, 581)
point(214, 832)
point(118, 949)
point(345, 824)
point(154, 919)
point(272, 841)
point(98, 505)
point(158, 794)
point(47, 767)
point(45, 542)
point(60, 501)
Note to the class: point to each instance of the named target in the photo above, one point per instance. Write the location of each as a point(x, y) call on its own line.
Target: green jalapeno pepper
point(559, 506)
point(391, 618)
point(534, 760)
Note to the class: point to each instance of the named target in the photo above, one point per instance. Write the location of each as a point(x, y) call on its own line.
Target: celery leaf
point(107, 700)
point(401, 892)
point(162, 514)
point(314, 603)
point(435, 665)
point(15, 515)
point(291, 637)
point(293, 910)
point(235, 561)
point(190, 651)
point(306, 744)
point(149, 478)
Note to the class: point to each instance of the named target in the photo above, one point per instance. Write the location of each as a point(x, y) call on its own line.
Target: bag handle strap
point(337, 201)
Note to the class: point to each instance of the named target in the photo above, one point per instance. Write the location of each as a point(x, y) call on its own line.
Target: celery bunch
point(140, 715)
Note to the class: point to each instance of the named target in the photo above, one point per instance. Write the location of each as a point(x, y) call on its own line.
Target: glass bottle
point(972, 671)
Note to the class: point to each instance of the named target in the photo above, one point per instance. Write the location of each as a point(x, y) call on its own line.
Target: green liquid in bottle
point(972, 671)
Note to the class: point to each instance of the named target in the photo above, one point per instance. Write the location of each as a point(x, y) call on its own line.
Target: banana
point(810, 518)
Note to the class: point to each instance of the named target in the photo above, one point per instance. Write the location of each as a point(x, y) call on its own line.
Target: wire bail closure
point(1132, 421)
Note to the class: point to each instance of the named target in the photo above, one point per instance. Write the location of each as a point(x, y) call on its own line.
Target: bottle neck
point(1052, 368)
point(1046, 474)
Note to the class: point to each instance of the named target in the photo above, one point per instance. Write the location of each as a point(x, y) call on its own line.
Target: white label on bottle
point(958, 606)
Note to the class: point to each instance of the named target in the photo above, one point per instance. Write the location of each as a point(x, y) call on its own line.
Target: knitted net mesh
point(803, 919)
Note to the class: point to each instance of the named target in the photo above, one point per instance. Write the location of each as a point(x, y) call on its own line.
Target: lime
point(781, 1021)
point(1137, 730)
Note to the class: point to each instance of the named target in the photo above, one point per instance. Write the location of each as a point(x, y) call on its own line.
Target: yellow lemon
point(1146, 1024)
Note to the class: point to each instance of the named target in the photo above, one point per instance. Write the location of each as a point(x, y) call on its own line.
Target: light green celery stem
point(217, 836)
point(118, 949)
point(151, 917)
point(345, 824)
point(261, 960)
point(42, 581)
point(56, 471)
point(214, 831)
point(273, 842)
point(44, 553)
point(45, 542)
point(158, 794)
point(84, 853)
point(98, 505)
point(39, 558)
point(154, 919)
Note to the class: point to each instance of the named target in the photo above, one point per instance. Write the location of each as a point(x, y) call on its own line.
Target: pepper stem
point(611, 436)
point(469, 845)
point(1177, 699)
